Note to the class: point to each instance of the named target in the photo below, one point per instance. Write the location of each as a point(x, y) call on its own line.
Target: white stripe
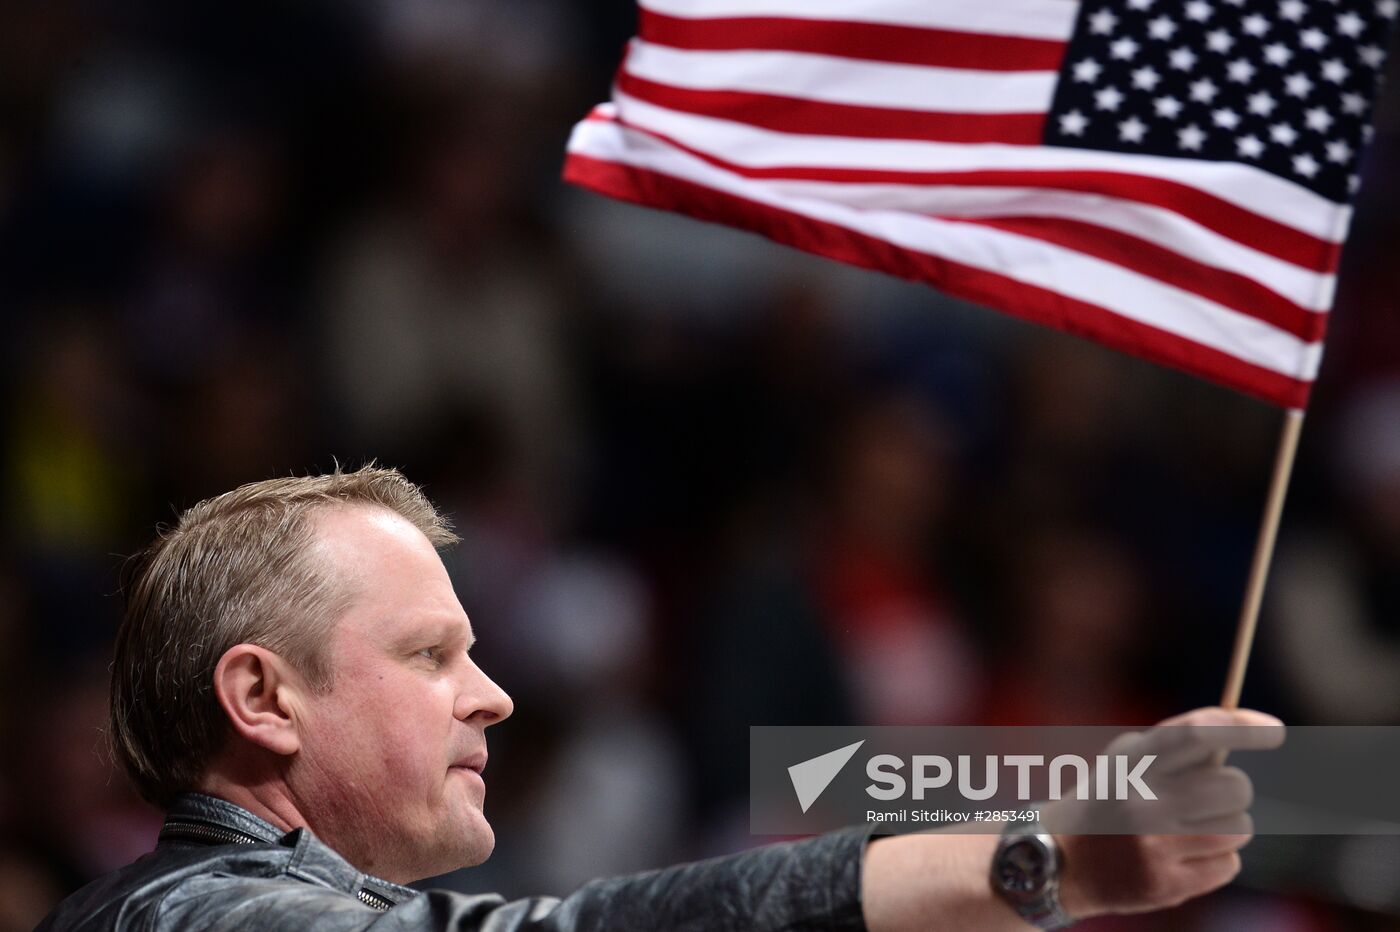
point(1242, 185)
point(1165, 228)
point(834, 80)
point(1037, 19)
point(1034, 262)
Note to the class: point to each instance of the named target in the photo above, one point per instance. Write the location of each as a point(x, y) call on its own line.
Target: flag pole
point(1263, 553)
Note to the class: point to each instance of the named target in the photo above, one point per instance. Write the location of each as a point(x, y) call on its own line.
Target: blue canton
point(1287, 85)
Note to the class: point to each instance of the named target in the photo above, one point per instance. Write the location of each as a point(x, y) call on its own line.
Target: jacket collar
point(219, 813)
point(312, 860)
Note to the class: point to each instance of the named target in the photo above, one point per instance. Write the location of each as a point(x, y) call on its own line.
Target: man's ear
point(260, 693)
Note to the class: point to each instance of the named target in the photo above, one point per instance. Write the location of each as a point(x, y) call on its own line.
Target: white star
point(1219, 41)
point(1333, 70)
point(1168, 107)
point(1235, 2)
point(1123, 49)
point(1087, 71)
point(1354, 104)
point(1350, 25)
point(1073, 123)
point(1372, 55)
point(1109, 98)
point(1161, 28)
point(1132, 130)
point(1182, 59)
point(1298, 84)
point(1255, 25)
point(1305, 165)
point(1353, 183)
point(1292, 10)
point(1313, 38)
point(1251, 147)
point(1141, 5)
point(1338, 151)
point(1283, 134)
point(1204, 90)
point(1240, 70)
point(1225, 118)
point(1277, 54)
point(1146, 78)
point(1318, 119)
point(1198, 10)
point(1190, 137)
point(1102, 23)
point(1388, 9)
point(1368, 132)
point(1262, 103)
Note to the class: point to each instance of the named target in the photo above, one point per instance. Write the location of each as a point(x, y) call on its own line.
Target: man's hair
point(238, 568)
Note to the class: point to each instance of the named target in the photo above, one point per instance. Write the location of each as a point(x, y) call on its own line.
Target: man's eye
point(432, 653)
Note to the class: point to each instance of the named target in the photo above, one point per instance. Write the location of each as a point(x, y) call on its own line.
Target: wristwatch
point(1026, 874)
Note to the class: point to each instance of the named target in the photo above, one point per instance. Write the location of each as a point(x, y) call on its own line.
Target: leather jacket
point(218, 866)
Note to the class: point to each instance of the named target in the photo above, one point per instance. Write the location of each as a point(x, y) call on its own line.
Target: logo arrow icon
point(811, 777)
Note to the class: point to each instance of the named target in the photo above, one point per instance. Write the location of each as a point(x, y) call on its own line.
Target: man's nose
point(482, 698)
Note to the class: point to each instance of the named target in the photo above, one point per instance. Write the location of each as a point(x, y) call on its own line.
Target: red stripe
point(1029, 302)
point(1244, 226)
point(911, 45)
point(1231, 289)
point(811, 117)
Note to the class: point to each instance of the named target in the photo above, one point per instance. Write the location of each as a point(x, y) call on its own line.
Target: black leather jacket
point(217, 866)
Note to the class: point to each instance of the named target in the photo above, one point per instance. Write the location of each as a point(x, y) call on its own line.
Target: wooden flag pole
point(1263, 554)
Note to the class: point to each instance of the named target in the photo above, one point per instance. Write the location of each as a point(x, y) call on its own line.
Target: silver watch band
point(1045, 913)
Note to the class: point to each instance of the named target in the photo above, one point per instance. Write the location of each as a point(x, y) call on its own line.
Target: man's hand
point(1201, 801)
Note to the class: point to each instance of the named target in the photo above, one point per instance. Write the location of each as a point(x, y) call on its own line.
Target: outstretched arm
point(941, 881)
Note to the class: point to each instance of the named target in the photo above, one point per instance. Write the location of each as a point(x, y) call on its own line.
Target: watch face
point(1022, 867)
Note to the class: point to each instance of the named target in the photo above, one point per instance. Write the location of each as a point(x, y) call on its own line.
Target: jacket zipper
point(374, 900)
point(208, 834)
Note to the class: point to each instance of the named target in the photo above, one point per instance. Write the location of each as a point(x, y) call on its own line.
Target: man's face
point(388, 768)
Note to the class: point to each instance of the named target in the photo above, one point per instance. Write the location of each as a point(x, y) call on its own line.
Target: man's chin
point(460, 856)
point(472, 847)
point(483, 843)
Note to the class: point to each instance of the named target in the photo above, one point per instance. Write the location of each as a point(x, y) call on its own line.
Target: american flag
point(1168, 178)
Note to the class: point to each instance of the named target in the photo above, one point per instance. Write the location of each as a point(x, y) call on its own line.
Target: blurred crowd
point(702, 482)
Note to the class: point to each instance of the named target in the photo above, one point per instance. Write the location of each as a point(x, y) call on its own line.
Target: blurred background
point(703, 482)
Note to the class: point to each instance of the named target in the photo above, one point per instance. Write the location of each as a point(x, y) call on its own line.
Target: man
point(293, 683)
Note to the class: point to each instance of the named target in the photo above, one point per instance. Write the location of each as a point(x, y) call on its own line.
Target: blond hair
point(238, 568)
